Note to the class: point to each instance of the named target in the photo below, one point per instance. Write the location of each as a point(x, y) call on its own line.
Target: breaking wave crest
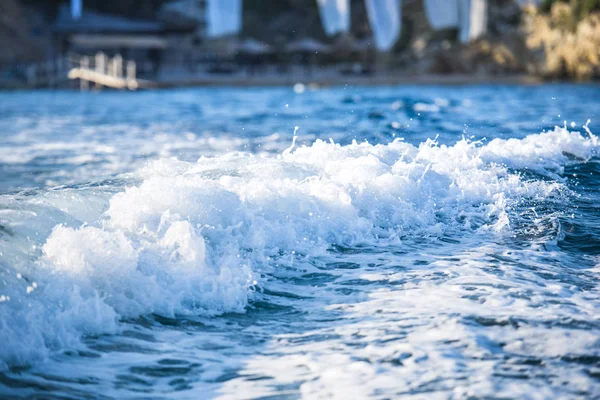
point(191, 238)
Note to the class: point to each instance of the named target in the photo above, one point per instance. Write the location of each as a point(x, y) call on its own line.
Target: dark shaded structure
point(145, 41)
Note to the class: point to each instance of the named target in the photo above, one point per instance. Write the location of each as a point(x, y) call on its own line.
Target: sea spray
point(190, 237)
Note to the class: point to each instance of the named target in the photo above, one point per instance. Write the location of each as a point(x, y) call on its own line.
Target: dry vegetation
point(569, 40)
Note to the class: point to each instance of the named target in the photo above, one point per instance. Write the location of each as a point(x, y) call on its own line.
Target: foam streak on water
point(327, 270)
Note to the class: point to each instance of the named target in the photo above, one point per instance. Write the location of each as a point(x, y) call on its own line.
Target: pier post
point(131, 78)
point(100, 66)
point(31, 74)
point(118, 66)
point(84, 65)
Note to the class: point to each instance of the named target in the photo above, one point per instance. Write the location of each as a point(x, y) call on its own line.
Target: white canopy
point(469, 16)
point(335, 16)
point(442, 14)
point(224, 17)
point(76, 9)
point(385, 17)
point(472, 19)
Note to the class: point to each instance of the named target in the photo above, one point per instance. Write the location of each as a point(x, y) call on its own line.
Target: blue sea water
point(413, 241)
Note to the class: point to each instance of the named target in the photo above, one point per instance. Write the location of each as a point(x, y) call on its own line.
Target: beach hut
point(90, 32)
point(306, 51)
point(253, 53)
point(358, 55)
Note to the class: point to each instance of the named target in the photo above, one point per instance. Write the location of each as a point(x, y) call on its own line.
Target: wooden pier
point(95, 73)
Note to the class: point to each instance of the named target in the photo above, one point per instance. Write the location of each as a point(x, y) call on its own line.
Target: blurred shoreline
point(557, 41)
point(314, 82)
point(383, 79)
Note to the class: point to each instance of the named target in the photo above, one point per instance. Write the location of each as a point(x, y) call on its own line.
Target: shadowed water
point(425, 242)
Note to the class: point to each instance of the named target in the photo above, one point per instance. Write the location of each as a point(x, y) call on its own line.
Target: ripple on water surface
point(463, 266)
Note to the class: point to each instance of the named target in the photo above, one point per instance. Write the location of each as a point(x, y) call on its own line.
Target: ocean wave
point(192, 238)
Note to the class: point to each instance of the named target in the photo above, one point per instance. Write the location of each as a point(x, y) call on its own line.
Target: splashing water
point(359, 269)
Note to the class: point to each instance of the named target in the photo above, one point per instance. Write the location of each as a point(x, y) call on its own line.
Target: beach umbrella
point(253, 47)
point(307, 45)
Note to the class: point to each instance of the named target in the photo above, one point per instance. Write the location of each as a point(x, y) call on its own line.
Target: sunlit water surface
point(424, 242)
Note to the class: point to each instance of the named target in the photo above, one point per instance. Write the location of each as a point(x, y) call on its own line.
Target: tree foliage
point(582, 8)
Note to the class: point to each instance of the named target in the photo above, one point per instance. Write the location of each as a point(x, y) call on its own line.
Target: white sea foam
point(191, 238)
